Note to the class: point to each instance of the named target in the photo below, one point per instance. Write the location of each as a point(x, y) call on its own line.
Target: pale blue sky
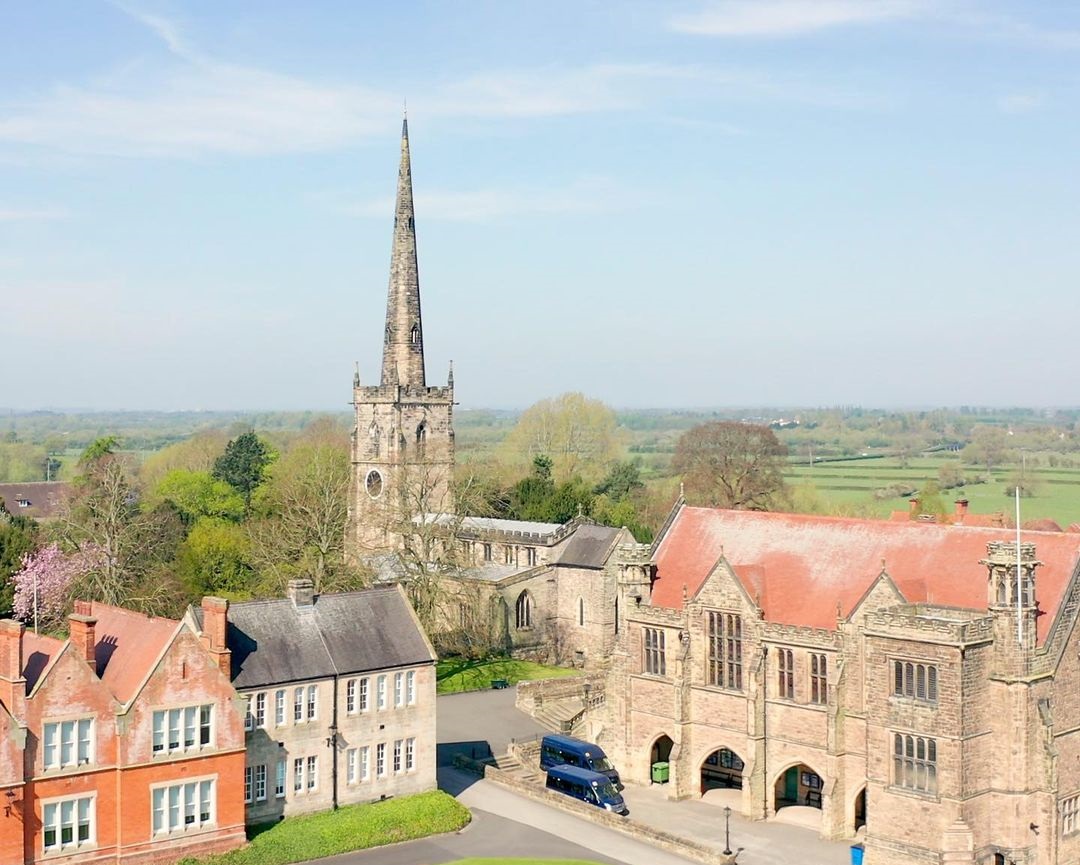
point(800, 202)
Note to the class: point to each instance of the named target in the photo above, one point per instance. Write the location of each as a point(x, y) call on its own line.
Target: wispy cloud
point(192, 106)
point(772, 18)
point(585, 195)
point(33, 214)
point(1020, 103)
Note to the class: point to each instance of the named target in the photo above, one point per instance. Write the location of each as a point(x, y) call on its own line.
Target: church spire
point(403, 341)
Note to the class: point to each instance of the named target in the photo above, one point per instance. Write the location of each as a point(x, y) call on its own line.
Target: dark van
point(566, 750)
point(591, 787)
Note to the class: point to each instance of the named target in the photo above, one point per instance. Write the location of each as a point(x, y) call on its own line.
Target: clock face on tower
point(373, 483)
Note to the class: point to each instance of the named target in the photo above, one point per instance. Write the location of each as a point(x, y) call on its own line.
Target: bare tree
point(726, 464)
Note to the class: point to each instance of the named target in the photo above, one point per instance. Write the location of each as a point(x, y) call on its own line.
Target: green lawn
point(850, 485)
point(354, 827)
point(455, 675)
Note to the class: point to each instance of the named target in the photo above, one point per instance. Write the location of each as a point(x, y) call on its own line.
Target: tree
point(215, 559)
point(103, 514)
point(199, 494)
point(726, 464)
point(19, 536)
point(988, 447)
point(930, 501)
point(580, 436)
point(243, 464)
point(44, 583)
point(195, 454)
point(306, 504)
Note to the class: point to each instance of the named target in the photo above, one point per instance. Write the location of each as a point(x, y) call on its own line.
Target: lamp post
point(727, 830)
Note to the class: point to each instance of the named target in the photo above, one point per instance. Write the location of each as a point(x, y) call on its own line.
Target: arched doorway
point(860, 810)
point(661, 753)
point(798, 785)
point(661, 750)
point(723, 768)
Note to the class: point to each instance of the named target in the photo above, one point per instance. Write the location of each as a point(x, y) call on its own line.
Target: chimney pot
point(961, 508)
point(302, 592)
point(83, 630)
point(913, 503)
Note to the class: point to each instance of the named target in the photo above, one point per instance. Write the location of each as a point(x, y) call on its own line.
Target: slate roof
point(588, 547)
point(276, 642)
point(43, 498)
point(802, 567)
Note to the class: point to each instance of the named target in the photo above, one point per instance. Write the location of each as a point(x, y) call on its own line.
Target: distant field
point(851, 485)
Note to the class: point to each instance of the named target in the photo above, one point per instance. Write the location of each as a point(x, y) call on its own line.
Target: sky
point(660, 204)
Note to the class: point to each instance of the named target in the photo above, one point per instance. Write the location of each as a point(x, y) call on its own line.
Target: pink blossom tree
point(55, 575)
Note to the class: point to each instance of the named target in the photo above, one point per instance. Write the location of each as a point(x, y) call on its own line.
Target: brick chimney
point(961, 509)
point(215, 622)
point(913, 504)
point(83, 636)
point(12, 683)
point(302, 592)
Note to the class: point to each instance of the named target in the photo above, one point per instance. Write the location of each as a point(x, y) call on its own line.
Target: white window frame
point(313, 703)
point(410, 754)
point(279, 707)
point(249, 778)
point(410, 687)
point(203, 790)
point(350, 766)
point(398, 749)
point(399, 690)
point(312, 773)
point(380, 692)
point(298, 775)
point(52, 812)
point(363, 704)
point(260, 783)
point(350, 697)
point(260, 710)
point(55, 744)
point(298, 705)
point(380, 760)
point(279, 779)
point(365, 763)
point(196, 721)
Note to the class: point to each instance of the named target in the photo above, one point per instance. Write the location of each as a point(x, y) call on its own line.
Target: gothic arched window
point(373, 432)
point(523, 610)
point(415, 334)
point(421, 439)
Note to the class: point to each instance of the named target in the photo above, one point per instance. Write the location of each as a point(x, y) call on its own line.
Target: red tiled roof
point(803, 566)
point(128, 645)
point(38, 652)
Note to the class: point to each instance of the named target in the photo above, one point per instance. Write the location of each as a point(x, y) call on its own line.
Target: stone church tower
point(403, 438)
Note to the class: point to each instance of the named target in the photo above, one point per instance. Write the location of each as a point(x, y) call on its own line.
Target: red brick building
point(123, 743)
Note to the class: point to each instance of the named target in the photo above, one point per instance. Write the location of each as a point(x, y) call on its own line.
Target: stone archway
point(797, 786)
point(661, 749)
point(722, 769)
point(859, 811)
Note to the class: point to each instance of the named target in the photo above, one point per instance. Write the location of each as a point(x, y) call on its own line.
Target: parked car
point(566, 750)
point(588, 786)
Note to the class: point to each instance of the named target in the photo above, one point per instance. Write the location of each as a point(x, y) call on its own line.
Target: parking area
point(480, 724)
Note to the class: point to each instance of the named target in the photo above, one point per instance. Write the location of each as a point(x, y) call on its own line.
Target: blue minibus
point(559, 750)
point(591, 787)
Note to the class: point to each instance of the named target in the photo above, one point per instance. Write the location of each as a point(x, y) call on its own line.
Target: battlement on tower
point(397, 393)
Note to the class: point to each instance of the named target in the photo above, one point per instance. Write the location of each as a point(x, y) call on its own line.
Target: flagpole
point(1019, 583)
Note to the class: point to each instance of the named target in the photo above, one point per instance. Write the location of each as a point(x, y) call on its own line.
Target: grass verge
point(454, 675)
point(354, 827)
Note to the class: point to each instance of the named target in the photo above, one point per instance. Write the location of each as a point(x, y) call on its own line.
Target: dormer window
point(22, 502)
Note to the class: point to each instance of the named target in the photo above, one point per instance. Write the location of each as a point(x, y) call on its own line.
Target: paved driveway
point(480, 723)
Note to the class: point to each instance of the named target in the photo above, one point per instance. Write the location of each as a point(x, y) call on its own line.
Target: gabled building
point(123, 743)
point(339, 692)
point(897, 677)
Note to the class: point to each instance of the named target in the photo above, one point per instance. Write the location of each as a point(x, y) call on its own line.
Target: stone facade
point(403, 435)
point(948, 732)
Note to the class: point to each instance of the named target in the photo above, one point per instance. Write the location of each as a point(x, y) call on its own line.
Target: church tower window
point(373, 483)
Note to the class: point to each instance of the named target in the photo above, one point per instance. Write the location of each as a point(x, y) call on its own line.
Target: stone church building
point(541, 588)
point(915, 684)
